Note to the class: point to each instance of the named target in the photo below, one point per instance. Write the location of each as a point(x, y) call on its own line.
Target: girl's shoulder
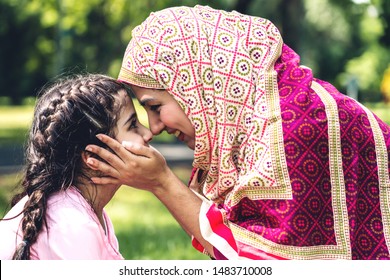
point(69, 207)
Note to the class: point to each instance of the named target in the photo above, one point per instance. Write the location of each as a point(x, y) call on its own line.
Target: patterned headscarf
point(219, 67)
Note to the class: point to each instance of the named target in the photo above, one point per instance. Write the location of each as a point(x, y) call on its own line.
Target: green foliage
point(369, 68)
point(44, 38)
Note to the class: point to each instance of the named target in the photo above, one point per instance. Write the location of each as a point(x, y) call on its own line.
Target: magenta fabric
point(308, 219)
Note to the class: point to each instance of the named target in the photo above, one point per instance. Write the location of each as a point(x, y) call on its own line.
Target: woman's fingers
point(106, 181)
point(103, 167)
point(115, 161)
point(106, 155)
point(119, 149)
point(140, 150)
point(128, 163)
point(112, 143)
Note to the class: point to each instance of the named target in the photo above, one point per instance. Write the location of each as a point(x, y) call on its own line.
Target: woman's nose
point(156, 126)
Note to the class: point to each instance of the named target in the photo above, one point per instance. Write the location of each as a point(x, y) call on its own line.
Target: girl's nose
point(147, 135)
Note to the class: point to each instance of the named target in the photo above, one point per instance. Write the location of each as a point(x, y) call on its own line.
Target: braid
point(67, 117)
point(34, 211)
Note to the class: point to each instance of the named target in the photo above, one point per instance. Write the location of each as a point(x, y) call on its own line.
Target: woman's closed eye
point(155, 108)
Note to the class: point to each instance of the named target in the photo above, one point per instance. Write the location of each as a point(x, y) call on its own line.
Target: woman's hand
point(134, 165)
point(145, 168)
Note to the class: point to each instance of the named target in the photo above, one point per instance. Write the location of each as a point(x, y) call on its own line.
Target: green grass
point(15, 121)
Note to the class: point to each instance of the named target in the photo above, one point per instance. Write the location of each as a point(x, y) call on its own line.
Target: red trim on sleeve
point(218, 226)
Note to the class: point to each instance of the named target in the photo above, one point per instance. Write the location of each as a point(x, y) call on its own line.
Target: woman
point(59, 213)
point(285, 166)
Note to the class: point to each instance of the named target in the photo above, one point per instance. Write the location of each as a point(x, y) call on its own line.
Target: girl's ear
point(85, 155)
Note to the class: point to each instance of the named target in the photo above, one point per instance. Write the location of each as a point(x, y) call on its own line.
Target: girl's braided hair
point(67, 116)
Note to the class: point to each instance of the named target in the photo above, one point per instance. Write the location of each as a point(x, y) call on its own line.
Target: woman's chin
point(191, 145)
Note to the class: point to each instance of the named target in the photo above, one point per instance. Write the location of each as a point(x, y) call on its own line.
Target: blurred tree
point(242, 6)
point(368, 56)
point(384, 7)
point(19, 55)
point(45, 38)
point(340, 40)
point(329, 36)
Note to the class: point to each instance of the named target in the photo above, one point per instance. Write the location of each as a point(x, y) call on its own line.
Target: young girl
point(60, 212)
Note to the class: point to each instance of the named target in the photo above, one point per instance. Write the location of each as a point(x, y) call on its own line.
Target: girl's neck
point(98, 197)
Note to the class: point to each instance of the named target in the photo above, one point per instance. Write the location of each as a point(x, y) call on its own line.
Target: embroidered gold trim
point(282, 188)
point(283, 182)
point(341, 226)
point(383, 174)
point(138, 79)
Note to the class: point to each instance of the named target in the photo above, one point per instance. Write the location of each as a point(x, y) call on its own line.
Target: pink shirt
point(75, 232)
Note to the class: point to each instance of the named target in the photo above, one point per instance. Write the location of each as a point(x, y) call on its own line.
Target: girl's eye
point(155, 108)
point(133, 124)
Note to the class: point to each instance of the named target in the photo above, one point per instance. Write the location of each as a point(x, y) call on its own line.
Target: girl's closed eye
point(133, 124)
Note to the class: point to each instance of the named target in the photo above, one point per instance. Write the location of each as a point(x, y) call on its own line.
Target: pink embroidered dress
point(292, 168)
